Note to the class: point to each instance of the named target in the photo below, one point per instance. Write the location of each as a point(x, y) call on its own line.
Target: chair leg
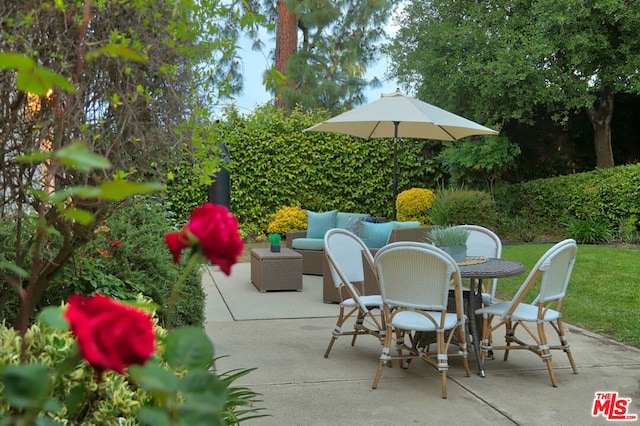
point(400, 336)
point(337, 330)
point(565, 345)
point(508, 337)
point(443, 362)
point(545, 353)
point(464, 342)
point(444, 384)
point(357, 327)
point(384, 357)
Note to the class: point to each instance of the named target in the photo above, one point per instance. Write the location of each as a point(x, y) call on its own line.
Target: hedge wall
point(274, 163)
point(602, 195)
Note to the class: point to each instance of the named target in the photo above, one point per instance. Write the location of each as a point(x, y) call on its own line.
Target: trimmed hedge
point(602, 195)
point(274, 163)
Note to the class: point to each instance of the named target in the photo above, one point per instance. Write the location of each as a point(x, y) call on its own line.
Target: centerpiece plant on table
point(451, 239)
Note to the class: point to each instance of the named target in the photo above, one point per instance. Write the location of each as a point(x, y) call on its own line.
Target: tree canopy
point(325, 67)
point(502, 60)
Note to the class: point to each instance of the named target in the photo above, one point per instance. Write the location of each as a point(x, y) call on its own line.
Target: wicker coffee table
point(276, 270)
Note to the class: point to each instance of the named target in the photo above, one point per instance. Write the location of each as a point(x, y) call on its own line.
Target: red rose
point(111, 335)
point(213, 230)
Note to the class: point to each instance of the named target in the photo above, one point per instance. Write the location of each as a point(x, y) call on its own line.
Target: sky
point(255, 63)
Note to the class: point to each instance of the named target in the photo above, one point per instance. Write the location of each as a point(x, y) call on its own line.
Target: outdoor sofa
point(374, 231)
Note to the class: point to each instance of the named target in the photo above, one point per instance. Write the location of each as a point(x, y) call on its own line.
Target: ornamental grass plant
point(448, 236)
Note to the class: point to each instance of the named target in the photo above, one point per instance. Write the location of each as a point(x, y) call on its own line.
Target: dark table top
point(492, 268)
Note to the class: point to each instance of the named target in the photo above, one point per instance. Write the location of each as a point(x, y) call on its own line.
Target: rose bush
point(111, 335)
point(171, 371)
point(213, 231)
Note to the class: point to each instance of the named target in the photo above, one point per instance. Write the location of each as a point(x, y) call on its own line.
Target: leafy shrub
point(113, 401)
point(91, 270)
point(288, 218)
point(516, 228)
point(589, 231)
point(143, 259)
point(140, 263)
point(628, 229)
point(414, 204)
point(467, 207)
point(602, 195)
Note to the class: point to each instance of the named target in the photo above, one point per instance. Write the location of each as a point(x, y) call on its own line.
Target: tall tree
point(323, 49)
point(134, 81)
point(505, 59)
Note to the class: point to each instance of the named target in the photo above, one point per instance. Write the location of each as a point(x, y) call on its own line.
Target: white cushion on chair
point(368, 301)
point(410, 320)
point(523, 312)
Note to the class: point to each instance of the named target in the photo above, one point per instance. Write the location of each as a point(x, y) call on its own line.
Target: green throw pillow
point(319, 223)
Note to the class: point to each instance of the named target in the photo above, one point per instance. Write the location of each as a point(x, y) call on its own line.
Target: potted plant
point(274, 240)
point(452, 240)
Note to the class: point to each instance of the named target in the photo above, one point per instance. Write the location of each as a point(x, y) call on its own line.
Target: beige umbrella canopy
point(399, 116)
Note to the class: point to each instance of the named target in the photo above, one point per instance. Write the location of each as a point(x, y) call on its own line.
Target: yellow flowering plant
point(288, 218)
point(414, 204)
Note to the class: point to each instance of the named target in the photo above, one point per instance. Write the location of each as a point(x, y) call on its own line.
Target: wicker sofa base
point(315, 263)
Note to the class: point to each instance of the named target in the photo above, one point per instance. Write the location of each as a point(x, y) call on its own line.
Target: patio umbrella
point(398, 116)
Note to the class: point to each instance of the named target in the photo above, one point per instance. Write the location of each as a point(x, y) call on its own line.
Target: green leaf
point(8, 266)
point(204, 386)
point(79, 191)
point(53, 317)
point(26, 385)
point(119, 190)
point(189, 347)
point(39, 80)
point(15, 61)
point(47, 421)
point(153, 378)
point(154, 416)
point(77, 155)
point(145, 305)
point(79, 215)
point(117, 50)
point(36, 157)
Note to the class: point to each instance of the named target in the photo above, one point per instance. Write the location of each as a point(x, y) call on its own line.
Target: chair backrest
point(484, 242)
point(554, 267)
point(416, 275)
point(344, 250)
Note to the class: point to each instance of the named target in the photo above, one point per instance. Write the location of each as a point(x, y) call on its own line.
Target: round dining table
point(476, 269)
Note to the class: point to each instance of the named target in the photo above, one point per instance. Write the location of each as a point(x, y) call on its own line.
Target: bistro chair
point(483, 242)
point(344, 250)
point(554, 270)
point(415, 279)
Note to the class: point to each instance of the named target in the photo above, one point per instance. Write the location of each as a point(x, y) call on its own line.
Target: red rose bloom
point(110, 334)
point(213, 230)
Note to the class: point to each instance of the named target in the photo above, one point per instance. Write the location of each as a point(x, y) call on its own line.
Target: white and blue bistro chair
point(525, 323)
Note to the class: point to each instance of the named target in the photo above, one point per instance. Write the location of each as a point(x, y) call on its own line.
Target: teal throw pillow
point(319, 223)
point(375, 235)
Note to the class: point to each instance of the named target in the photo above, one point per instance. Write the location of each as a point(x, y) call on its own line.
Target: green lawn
point(604, 290)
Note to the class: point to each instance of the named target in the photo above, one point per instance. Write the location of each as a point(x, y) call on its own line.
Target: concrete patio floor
point(284, 335)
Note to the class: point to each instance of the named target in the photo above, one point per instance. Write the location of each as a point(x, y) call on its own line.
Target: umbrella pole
point(394, 182)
